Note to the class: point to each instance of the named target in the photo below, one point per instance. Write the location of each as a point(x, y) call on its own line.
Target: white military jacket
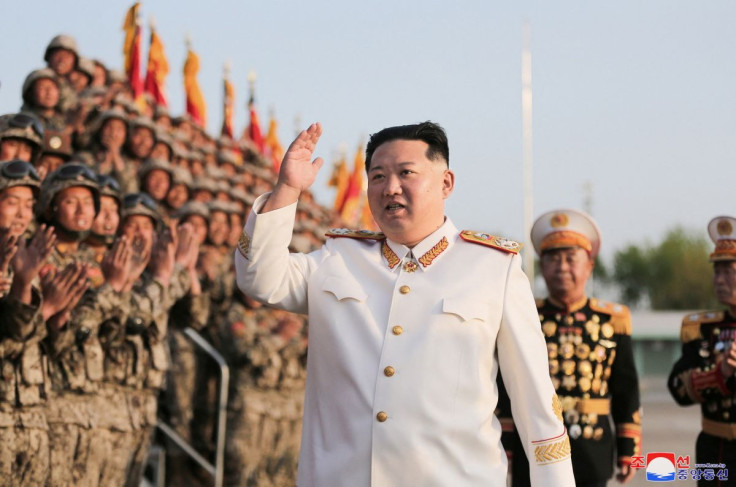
point(404, 347)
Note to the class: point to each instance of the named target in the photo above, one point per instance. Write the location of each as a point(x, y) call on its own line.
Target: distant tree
point(675, 274)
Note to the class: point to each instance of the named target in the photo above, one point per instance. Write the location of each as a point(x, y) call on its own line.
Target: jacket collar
point(569, 309)
point(397, 256)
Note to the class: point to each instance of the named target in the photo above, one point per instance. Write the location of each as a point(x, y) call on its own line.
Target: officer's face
point(75, 209)
point(16, 209)
point(407, 191)
point(108, 219)
point(566, 271)
point(724, 282)
point(15, 149)
point(45, 93)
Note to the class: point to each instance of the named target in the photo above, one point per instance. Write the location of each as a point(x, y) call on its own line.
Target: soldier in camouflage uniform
point(106, 223)
point(41, 98)
point(24, 447)
point(62, 57)
point(21, 137)
point(704, 374)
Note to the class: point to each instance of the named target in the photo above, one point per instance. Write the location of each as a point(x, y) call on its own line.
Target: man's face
point(108, 219)
point(178, 195)
point(161, 151)
point(236, 228)
point(45, 93)
point(407, 191)
point(78, 80)
point(141, 142)
point(566, 271)
point(113, 133)
point(141, 230)
point(75, 209)
point(203, 196)
point(16, 209)
point(724, 282)
point(219, 228)
point(157, 184)
point(62, 61)
point(15, 149)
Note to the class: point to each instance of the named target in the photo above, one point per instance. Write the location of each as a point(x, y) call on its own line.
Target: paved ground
point(667, 427)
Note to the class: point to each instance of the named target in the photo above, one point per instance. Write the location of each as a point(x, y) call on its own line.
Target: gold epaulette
point(620, 315)
point(360, 234)
point(498, 243)
point(691, 324)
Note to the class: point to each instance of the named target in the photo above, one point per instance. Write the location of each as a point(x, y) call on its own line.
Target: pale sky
point(636, 98)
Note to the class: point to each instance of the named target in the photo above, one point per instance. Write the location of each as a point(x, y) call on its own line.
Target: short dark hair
point(428, 132)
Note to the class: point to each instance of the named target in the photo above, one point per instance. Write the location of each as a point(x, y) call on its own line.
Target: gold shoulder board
point(359, 234)
point(498, 243)
point(620, 315)
point(691, 324)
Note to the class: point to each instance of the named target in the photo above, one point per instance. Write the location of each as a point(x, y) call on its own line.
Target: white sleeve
point(522, 356)
point(265, 270)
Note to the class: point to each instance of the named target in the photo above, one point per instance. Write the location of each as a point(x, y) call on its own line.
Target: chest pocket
point(344, 289)
point(467, 308)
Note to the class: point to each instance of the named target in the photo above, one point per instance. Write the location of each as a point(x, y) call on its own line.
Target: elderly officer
point(407, 328)
point(590, 355)
point(705, 372)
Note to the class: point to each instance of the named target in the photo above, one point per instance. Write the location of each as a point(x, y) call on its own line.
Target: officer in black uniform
point(590, 355)
point(704, 374)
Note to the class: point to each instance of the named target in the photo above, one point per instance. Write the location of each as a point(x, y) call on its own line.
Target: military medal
point(554, 367)
point(592, 328)
point(588, 432)
point(552, 350)
point(585, 368)
point(607, 330)
point(604, 388)
point(410, 266)
point(575, 431)
point(568, 382)
point(583, 351)
point(584, 384)
point(549, 328)
point(599, 354)
point(569, 320)
point(567, 350)
point(596, 318)
point(568, 367)
point(572, 416)
point(598, 433)
point(607, 373)
point(595, 386)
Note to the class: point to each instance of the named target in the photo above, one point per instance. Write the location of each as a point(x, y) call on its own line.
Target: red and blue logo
point(661, 467)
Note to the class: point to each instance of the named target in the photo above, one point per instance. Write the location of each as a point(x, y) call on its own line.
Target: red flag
point(158, 69)
point(350, 210)
point(254, 128)
point(132, 50)
point(195, 101)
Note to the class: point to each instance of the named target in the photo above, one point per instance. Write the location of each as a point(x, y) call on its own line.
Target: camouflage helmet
point(140, 204)
point(221, 206)
point(160, 111)
point(109, 186)
point(70, 175)
point(151, 165)
point(240, 195)
point(86, 66)
point(193, 208)
point(19, 173)
point(179, 175)
point(205, 184)
point(143, 121)
point(24, 126)
point(33, 76)
point(61, 41)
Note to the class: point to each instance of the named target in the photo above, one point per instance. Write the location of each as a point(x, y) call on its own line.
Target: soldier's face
point(407, 191)
point(219, 227)
point(107, 221)
point(45, 93)
point(566, 271)
point(48, 163)
point(113, 133)
point(157, 184)
point(100, 77)
point(236, 227)
point(161, 151)
point(141, 142)
point(199, 226)
point(140, 228)
point(79, 80)
point(16, 209)
point(177, 196)
point(62, 61)
point(15, 149)
point(75, 209)
point(724, 282)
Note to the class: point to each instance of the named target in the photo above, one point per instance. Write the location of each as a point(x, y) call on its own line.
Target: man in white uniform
point(407, 328)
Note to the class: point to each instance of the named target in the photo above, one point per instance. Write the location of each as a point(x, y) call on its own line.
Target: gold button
point(397, 330)
point(381, 417)
point(389, 371)
point(404, 289)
